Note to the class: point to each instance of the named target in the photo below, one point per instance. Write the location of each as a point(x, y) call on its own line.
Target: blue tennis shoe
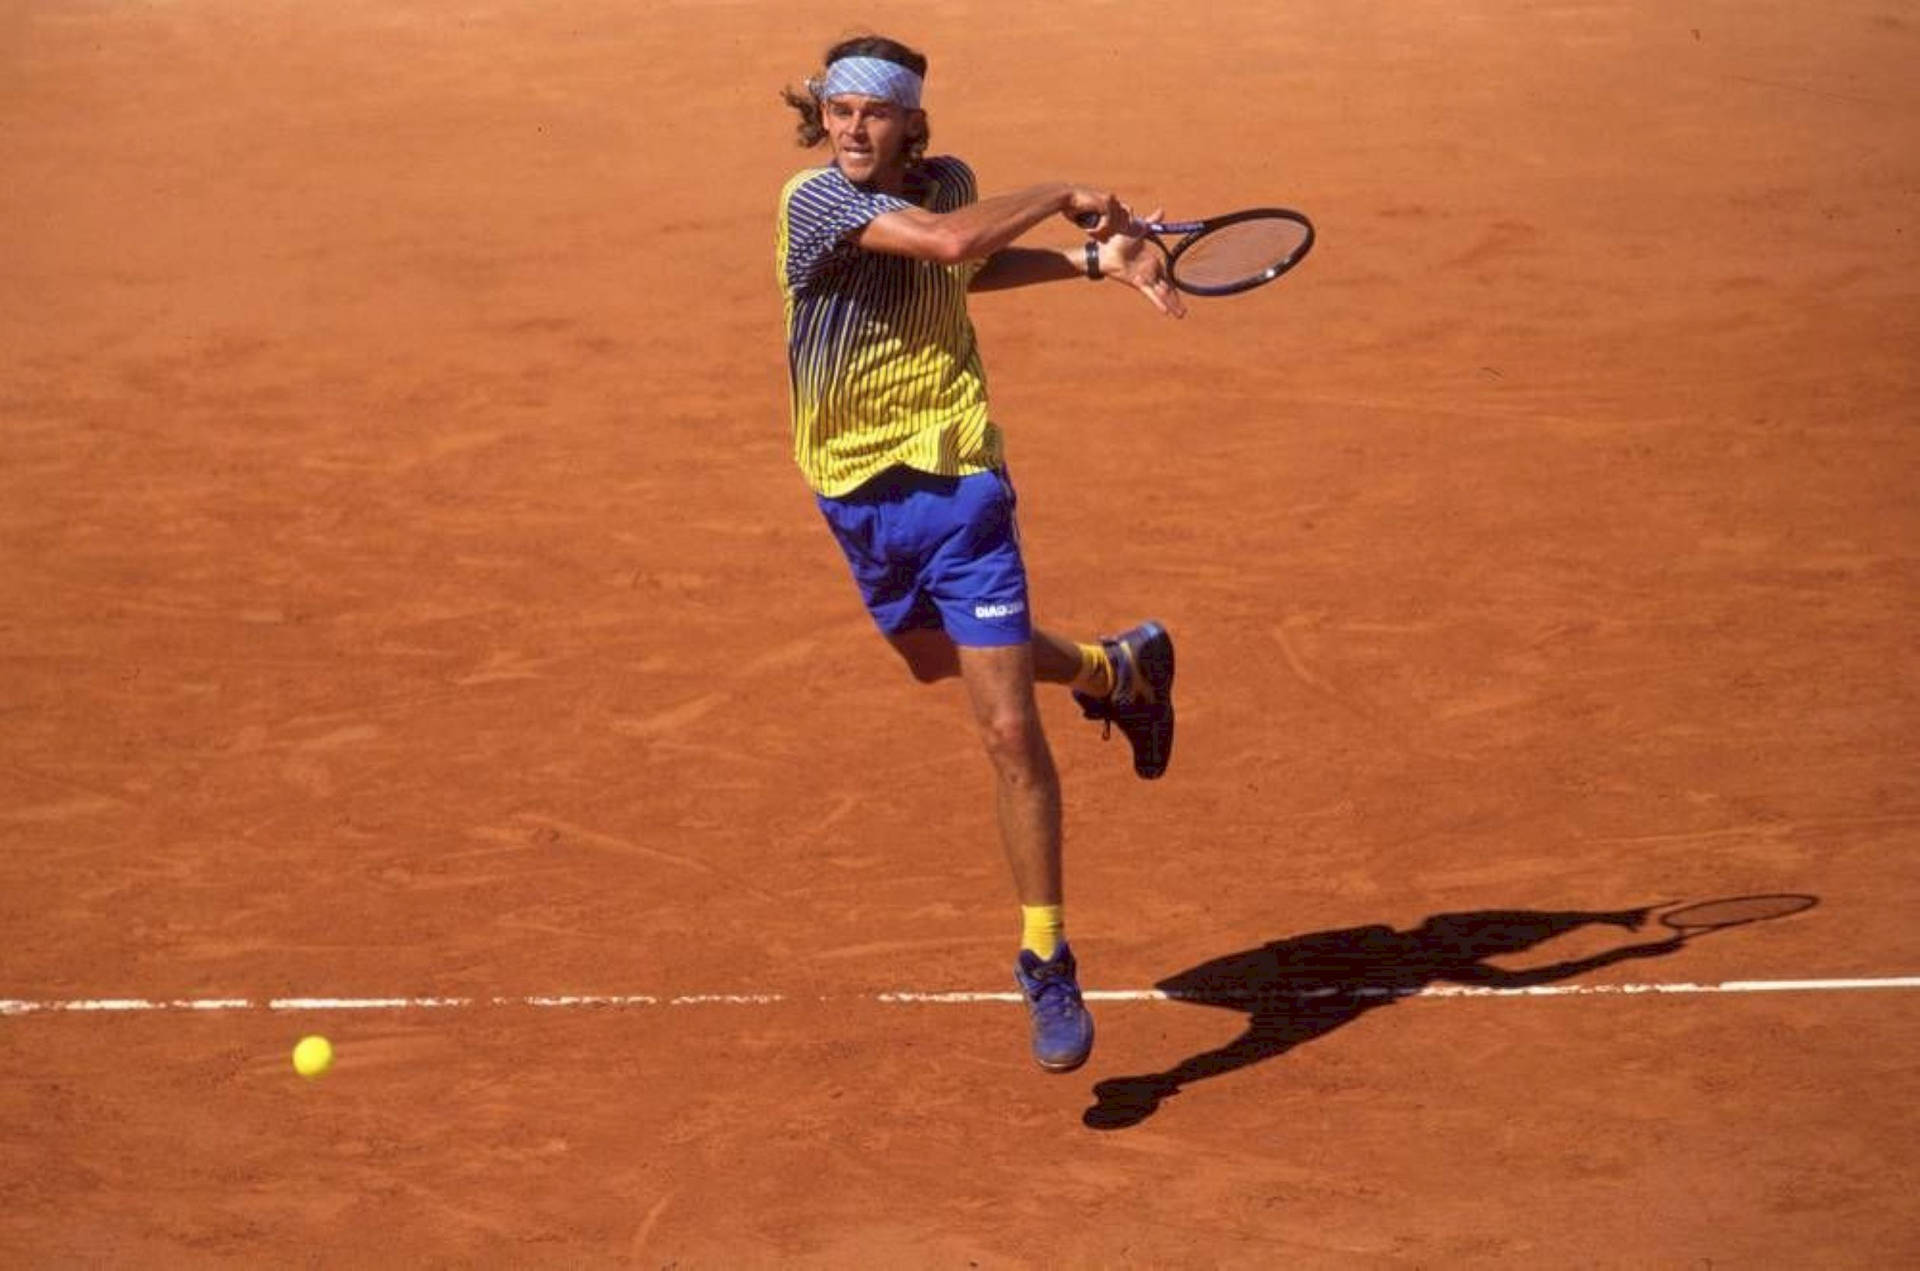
point(1062, 1028)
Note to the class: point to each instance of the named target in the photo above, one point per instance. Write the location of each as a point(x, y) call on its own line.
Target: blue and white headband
point(871, 77)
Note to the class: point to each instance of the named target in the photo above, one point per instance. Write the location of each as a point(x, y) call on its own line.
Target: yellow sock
point(1042, 928)
point(1096, 671)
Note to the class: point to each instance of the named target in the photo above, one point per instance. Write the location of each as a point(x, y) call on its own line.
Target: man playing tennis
point(876, 254)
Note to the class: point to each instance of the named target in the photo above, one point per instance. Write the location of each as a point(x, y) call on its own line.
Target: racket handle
point(1135, 228)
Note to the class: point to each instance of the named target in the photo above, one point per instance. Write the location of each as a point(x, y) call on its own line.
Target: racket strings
point(1238, 252)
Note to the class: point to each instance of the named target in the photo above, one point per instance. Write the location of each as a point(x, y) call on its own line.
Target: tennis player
point(876, 254)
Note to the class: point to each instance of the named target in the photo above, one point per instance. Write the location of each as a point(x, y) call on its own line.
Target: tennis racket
point(1709, 916)
point(1226, 255)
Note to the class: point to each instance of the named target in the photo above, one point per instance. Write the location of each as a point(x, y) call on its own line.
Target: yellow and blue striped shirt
point(883, 362)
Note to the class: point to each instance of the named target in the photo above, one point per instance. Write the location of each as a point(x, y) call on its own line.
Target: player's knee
point(1014, 743)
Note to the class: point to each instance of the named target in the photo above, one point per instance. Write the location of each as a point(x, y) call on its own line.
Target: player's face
point(869, 137)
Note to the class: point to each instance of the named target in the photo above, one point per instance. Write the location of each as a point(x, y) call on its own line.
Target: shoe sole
point(1072, 1064)
point(1155, 661)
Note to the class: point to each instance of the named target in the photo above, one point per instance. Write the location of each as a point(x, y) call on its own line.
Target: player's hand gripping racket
point(1226, 255)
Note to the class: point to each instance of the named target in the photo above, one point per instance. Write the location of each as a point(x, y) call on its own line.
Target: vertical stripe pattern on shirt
point(884, 367)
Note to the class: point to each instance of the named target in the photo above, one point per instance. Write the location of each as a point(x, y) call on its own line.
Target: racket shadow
point(1301, 988)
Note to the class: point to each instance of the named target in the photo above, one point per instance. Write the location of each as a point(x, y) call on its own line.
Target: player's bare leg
point(1027, 798)
point(1027, 786)
point(1056, 659)
point(1125, 680)
point(930, 656)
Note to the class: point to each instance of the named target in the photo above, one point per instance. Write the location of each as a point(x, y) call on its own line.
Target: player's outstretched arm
point(978, 230)
point(1123, 257)
point(1025, 266)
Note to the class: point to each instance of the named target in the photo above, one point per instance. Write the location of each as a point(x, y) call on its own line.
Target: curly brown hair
point(810, 131)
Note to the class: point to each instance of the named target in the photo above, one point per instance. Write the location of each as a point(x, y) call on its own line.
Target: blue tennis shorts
point(936, 553)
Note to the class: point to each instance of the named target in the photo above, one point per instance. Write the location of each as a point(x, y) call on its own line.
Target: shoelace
point(1104, 715)
point(1053, 992)
point(1106, 709)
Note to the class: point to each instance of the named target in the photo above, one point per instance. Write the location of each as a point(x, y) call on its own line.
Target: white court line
point(1443, 990)
point(112, 1005)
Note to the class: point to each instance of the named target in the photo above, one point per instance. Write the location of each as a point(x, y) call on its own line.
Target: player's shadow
point(1304, 987)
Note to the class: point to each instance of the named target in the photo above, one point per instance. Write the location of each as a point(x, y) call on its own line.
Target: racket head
point(1735, 911)
point(1230, 254)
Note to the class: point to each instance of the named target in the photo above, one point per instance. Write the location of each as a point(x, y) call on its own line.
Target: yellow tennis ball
point(312, 1056)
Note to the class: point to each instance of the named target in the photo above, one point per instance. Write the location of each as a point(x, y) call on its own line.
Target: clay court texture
point(414, 630)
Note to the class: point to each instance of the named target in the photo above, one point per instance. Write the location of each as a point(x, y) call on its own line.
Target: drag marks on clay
point(1298, 665)
point(1764, 830)
point(1809, 91)
point(340, 738)
point(647, 1225)
point(887, 948)
point(309, 774)
point(1492, 873)
point(567, 832)
point(76, 792)
point(782, 657)
point(1355, 704)
point(842, 808)
point(435, 447)
point(62, 811)
point(505, 665)
point(673, 719)
point(554, 931)
point(1486, 703)
point(1502, 238)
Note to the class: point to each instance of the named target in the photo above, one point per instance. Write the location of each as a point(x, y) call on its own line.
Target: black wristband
point(1093, 261)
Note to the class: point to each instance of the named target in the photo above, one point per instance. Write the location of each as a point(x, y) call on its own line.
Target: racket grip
point(1136, 228)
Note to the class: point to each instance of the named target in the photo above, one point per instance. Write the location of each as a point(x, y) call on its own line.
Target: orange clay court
point(410, 603)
